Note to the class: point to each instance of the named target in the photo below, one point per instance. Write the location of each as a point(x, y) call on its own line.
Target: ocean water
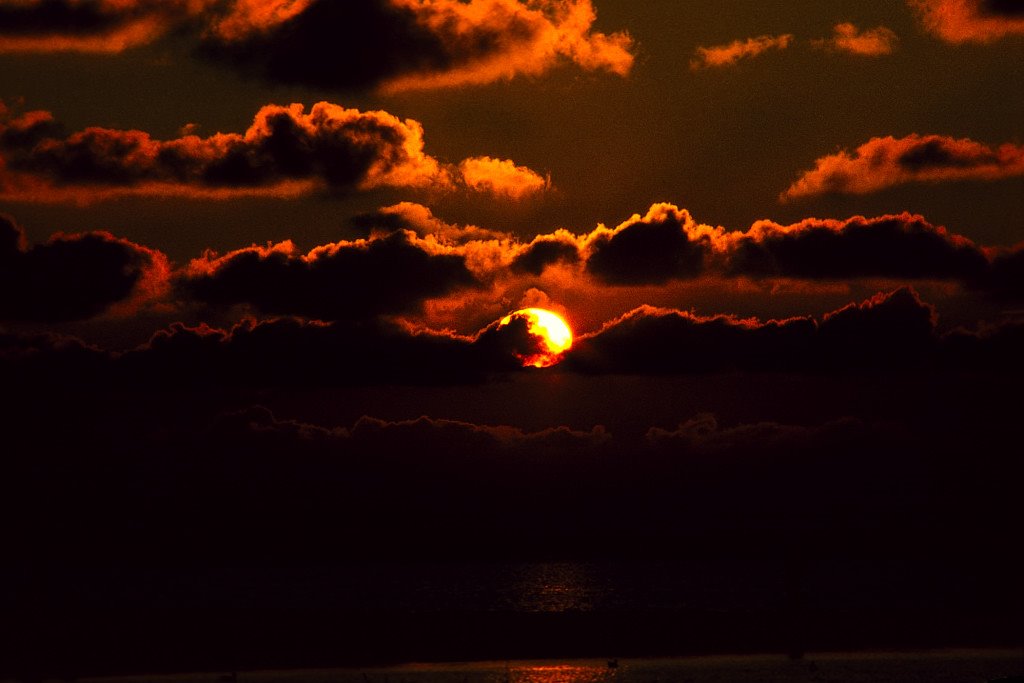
point(521, 587)
point(952, 666)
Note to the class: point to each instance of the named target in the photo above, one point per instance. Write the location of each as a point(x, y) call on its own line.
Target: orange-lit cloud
point(101, 26)
point(421, 220)
point(885, 162)
point(396, 44)
point(501, 177)
point(978, 21)
point(246, 17)
point(520, 38)
point(731, 53)
point(873, 42)
point(285, 152)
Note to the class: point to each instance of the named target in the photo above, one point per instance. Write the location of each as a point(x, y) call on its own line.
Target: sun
point(551, 329)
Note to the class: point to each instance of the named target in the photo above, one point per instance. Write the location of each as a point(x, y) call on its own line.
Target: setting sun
point(551, 328)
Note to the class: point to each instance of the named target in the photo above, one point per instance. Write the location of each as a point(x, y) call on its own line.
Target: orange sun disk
point(552, 330)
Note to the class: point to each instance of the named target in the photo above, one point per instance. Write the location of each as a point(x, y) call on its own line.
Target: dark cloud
point(348, 280)
point(657, 341)
point(405, 45)
point(58, 16)
point(651, 250)
point(889, 332)
point(1005, 280)
point(283, 352)
point(894, 332)
point(285, 151)
point(1008, 8)
point(668, 244)
point(396, 44)
point(351, 44)
point(72, 277)
point(545, 251)
point(900, 246)
point(289, 352)
point(103, 26)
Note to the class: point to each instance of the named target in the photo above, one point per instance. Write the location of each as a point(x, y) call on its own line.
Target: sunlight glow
point(551, 328)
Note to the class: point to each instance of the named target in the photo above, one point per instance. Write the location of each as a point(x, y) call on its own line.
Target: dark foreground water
point(75, 622)
point(952, 666)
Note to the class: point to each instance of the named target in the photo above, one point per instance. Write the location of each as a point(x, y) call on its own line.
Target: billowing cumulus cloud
point(73, 277)
point(731, 53)
point(668, 245)
point(894, 331)
point(397, 44)
point(885, 162)
point(391, 273)
point(978, 21)
point(663, 245)
point(872, 42)
point(286, 151)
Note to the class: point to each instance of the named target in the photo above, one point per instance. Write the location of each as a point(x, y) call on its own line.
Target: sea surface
point(952, 666)
point(520, 587)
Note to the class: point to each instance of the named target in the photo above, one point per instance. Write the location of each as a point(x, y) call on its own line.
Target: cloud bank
point(393, 44)
point(286, 151)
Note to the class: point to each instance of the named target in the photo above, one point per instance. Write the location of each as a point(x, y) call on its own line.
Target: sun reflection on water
point(560, 673)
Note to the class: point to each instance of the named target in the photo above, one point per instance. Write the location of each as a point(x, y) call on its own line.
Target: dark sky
point(263, 247)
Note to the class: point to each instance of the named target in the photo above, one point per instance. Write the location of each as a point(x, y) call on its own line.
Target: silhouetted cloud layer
point(399, 44)
point(885, 162)
point(243, 484)
point(980, 21)
point(73, 277)
point(392, 273)
point(286, 151)
point(902, 246)
point(278, 352)
point(894, 331)
point(731, 53)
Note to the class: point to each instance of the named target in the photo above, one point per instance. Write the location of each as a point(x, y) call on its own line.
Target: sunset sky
point(254, 255)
